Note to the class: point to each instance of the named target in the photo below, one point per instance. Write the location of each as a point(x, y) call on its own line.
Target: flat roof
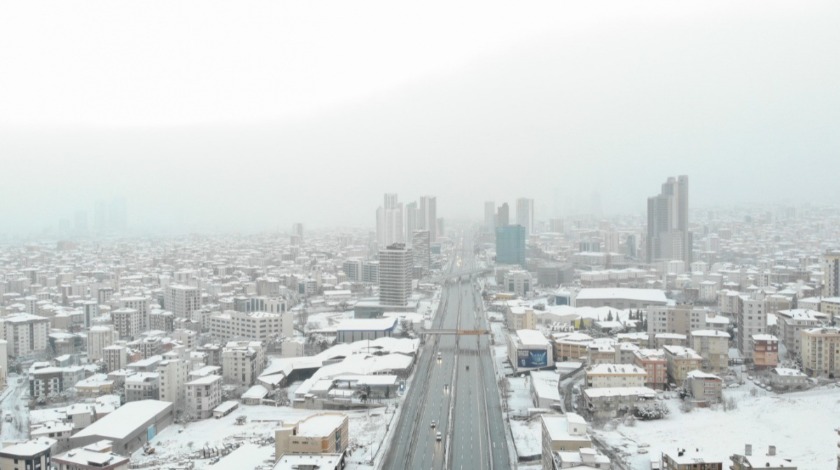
point(531, 338)
point(320, 425)
point(120, 423)
point(366, 324)
point(622, 293)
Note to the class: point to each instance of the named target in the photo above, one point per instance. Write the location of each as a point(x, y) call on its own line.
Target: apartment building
point(256, 326)
point(242, 362)
point(713, 347)
point(655, 366)
point(615, 375)
point(26, 334)
point(128, 323)
point(792, 322)
point(681, 361)
point(203, 394)
point(565, 433)
point(765, 351)
point(821, 352)
point(98, 338)
point(751, 320)
point(520, 318)
point(182, 300)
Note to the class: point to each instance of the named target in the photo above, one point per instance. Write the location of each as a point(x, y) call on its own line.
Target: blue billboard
point(532, 358)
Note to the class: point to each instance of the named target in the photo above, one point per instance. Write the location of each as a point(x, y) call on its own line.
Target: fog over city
point(251, 116)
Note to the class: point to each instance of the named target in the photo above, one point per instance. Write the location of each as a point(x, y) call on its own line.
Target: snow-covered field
point(201, 441)
point(800, 425)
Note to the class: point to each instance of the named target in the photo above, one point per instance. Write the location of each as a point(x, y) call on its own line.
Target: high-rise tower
point(668, 237)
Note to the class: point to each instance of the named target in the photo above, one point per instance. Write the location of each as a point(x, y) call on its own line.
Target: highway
point(454, 386)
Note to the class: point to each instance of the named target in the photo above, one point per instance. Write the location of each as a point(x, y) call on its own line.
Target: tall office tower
point(630, 246)
point(395, 268)
point(422, 247)
point(181, 300)
point(489, 215)
point(428, 216)
point(411, 214)
point(831, 274)
point(389, 221)
point(297, 230)
point(525, 214)
point(510, 245)
point(668, 237)
point(503, 216)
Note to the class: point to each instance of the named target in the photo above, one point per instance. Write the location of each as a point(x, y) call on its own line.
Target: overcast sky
point(253, 115)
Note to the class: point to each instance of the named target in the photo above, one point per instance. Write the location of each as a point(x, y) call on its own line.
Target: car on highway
point(439, 436)
point(434, 423)
point(468, 367)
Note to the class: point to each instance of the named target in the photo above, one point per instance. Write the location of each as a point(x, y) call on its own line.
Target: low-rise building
point(615, 375)
point(352, 330)
point(520, 318)
point(142, 386)
point(565, 433)
point(96, 456)
point(584, 459)
point(606, 403)
point(771, 461)
point(703, 387)
point(31, 455)
point(128, 427)
point(570, 346)
point(781, 378)
point(323, 433)
point(689, 459)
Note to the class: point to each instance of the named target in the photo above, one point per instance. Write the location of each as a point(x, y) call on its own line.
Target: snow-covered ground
point(801, 426)
point(202, 441)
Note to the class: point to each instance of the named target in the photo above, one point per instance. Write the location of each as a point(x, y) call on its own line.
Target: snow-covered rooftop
point(613, 293)
point(126, 419)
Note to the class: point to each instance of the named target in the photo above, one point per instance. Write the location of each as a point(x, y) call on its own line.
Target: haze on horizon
point(254, 115)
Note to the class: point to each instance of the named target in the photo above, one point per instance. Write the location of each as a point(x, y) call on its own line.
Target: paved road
point(463, 402)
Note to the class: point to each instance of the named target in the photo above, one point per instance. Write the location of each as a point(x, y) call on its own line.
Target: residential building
point(584, 459)
point(689, 459)
point(608, 403)
point(242, 363)
point(257, 326)
point(520, 318)
point(322, 433)
point(821, 352)
point(681, 361)
point(203, 394)
point(182, 300)
point(96, 456)
point(100, 337)
point(668, 237)
point(655, 365)
point(570, 346)
point(770, 461)
point(29, 455)
point(114, 357)
point(615, 376)
point(395, 274)
point(510, 244)
point(681, 319)
point(565, 433)
point(792, 322)
point(173, 380)
point(713, 347)
point(142, 305)
point(142, 386)
point(128, 323)
point(765, 351)
point(831, 274)
point(782, 378)
point(751, 320)
point(26, 334)
point(703, 387)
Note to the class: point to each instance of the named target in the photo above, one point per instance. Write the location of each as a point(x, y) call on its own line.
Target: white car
point(439, 436)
